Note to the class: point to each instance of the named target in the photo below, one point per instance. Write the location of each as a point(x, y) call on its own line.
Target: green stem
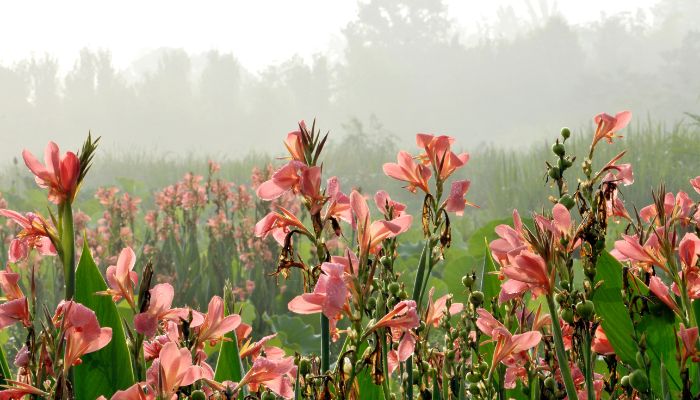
point(588, 365)
point(325, 344)
point(417, 285)
point(68, 248)
point(561, 352)
point(385, 369)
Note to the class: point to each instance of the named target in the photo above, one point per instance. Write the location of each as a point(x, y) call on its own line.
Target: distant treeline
point(404, 62)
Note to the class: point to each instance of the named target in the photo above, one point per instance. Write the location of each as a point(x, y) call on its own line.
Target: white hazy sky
point(258, 32)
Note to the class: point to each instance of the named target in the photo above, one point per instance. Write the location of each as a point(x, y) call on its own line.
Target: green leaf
point(4, 367)
point(367, 388)
point(109, 369)
point(228, 365)
point(609, 306)
point(658, 326)
point(295, 334)
point(488, 281)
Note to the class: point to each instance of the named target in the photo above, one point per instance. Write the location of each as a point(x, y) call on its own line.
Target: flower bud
point(394, 288)
point(565, 133)
point(639, 381)
point(567, 201)
point(304, 367)
point(554, 173)
point(559, 149)
point(476, 298)
point(585, 309)
point(567, 315)
point(198, 395)
point(642, 360)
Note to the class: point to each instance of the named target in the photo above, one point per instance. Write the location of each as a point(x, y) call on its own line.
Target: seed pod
point(638, 380)
point(565, 133)
point(559, 149)
point(585, 309)
point(198, 395)
point(476, 298)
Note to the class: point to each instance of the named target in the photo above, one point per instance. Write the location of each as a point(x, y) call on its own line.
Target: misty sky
point(259, 33)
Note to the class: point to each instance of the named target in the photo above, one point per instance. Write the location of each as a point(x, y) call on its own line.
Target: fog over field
point(225, 80)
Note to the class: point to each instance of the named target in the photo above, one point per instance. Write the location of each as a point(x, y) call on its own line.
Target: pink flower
point(349, 261)
point(273, 373)
point(689, 339)
point(530, 268)
point(15, 311)
point(407, 346)
point(329, 297)
point(511, 240)
point(215, 325)
point(288, 177)
point(660, 290)
point(688, 250)
point(137, 391)
point(629, 249)
point(253, 350)
point(9, 281)
point(371, 235)
point(161, 299)
point(19, 390)
point(385, 203)
point(122, 278)
point(59, 175)
point(36, 234)
point(403, 316)
point(695, 183)
point(279, 224)
point(438, 153)
point(417, 175)
point(83, 334)
point(608, 125)
point(338, 203)
point(601, 344)
point(507, 345)
point(173, 369)
point(456, 202)
point(436, 310)
point(295, 143)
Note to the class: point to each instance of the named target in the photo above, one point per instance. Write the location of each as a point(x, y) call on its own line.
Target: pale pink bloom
point(601, 344)
point(416, 175)
point(122, 277)
point(512, 289)
point(253, 350)
point(438, 153)
point(279, 224)
point(629, 249)
point(329, 296)
point(436, 310)
point(456, 202)
point(385, 203)
point(407, 346)
point(487, 323)
point(508, 345)
point(14, 311)
point(403, 317)
point(9, 281)
point(138, 391)
point(17, 390)
point(608, 126)
point(295, 144)
point(349, 261)
point(678, 206)
point(695, 183)
point(338, 202)
point(289, 177)
point(173, 369)
point(83, 334)
point(689, 249)
point(560, 225)
point(273, 373)
point(371, 234)
point(689, 339)
point(660, 290)
point(59, 175)
point(35, 234)
point(530, 268)
point(511, 240)
point(215, 325)
point(161, 299)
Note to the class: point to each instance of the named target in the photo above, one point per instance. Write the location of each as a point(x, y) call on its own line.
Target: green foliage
point(109, 369)
point(228, 365)
point(294, 334)
point(612, 310)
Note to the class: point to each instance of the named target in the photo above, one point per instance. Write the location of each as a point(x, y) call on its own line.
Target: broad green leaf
point(228, 365)
point(454, 270)
point(109, 369)
point(295, 334)
point(367, 388)
point(609, 306)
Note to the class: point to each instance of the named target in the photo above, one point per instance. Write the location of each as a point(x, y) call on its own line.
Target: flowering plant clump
point(561, 308)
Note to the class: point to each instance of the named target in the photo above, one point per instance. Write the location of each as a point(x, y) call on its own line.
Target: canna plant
point(551, 313)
